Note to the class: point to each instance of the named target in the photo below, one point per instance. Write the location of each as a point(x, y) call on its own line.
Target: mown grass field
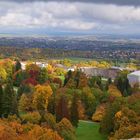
point(89, 131)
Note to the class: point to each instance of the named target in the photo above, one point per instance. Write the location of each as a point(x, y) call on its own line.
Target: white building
point(134, 78)
point(41, 64)
point(23, 65)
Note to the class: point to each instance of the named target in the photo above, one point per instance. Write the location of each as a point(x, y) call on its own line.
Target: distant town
point(92, 47)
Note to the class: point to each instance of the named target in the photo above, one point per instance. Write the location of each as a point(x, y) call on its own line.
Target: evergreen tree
point(8, 100)
point(23, 89)
point(14, 105)
point(1, 100)
point(19, 77)
point(74, 111)
point(77, 78)
point(122, 84)
point(17, 65)
point(68, 76)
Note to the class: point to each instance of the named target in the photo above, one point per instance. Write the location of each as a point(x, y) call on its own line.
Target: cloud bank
point(71, 16)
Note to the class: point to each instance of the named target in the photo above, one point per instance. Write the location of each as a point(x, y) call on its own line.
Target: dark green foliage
point(95, 81)
point(14, 108)
point(8, 100)
point(42, 76)
point(109, 81)
point(19, 76)
point(77, 78)
point(23, 89)
point(17, 66)
point(122, 84)
point(1, 100)
point(68, 76)
point(74, 111)
point(89, 101)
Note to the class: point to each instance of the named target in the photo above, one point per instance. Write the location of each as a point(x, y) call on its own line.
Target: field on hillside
point(89, 131)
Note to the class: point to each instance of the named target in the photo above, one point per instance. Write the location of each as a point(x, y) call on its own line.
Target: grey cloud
point(117, 2)
point(68, 16)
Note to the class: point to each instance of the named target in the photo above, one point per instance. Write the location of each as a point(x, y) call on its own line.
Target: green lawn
point(89, 131)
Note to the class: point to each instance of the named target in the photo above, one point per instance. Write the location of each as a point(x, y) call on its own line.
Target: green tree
point(18, 77)
point(43, 75)
point(17, 66)
point(8, 100)
point(74, 111)
point(1, 100)
point(89, 101)
point(122, 83)
point(68, 76)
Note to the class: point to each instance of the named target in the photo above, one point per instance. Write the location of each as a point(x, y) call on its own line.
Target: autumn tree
point(8, 66)
point(3, 75)
point(40, 98)
point(52, 104)
point(107, 123)
point(23, 104)
point(126, 124)
point(62, 109)
point(66, 130)
point(74, 111)
point(113, 91)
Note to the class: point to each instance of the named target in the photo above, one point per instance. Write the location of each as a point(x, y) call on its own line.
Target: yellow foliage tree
point(23, 103)
point(99, 113)
point(3, 74)
point(113, 91)
point(41, 96)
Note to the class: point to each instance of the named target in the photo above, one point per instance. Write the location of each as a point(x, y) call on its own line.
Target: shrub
point(66, 130)
point(32, 117)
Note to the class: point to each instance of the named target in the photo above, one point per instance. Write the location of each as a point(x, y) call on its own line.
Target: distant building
point(23, 65)
point(134, 78)
point(106, 73)
point(65, 68)
point(41, 64)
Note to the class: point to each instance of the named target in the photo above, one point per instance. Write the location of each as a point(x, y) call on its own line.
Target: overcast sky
point(77, 16)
